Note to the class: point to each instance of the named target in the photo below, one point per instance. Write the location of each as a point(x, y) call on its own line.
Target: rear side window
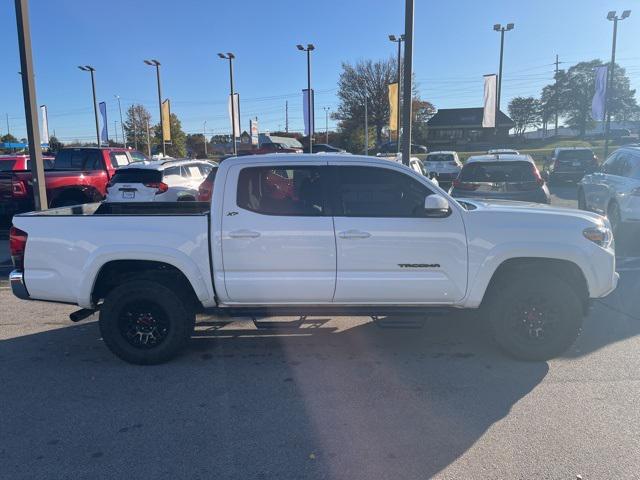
point(288, 191)
point(119, 159)
point(497, 172)
point(138, 157)
point(136, 175)
point(79, 159)
point(378, 192)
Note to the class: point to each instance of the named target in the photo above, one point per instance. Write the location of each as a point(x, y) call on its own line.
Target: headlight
point(599, 235)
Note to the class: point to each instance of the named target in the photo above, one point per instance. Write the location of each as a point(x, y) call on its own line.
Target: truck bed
point(69, 244)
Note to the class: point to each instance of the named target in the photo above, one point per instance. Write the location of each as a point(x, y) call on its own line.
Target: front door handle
point(349, 234)
point(244, 234)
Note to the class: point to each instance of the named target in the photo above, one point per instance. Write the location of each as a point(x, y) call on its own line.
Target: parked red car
point(21, 162)
point(76, 176)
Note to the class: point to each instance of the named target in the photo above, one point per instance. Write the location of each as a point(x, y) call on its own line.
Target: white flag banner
point(599, 101)
point(489, 101)
point(234, 119)
point(45, 124)
point(305, 109)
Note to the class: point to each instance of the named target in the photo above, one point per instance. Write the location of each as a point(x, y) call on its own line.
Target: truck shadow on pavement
point(316, 398)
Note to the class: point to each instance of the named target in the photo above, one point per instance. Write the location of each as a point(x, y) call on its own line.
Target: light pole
point(124, 138)
point(613, 17)
point(499, 28)
point(310, 114)
point(156, 63)
point(230, 56)
point(326, 124)
point(204, 132)
point(90, 69)
point(399, 39)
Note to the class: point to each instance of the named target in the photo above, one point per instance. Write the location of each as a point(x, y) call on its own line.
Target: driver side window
point(611, 166)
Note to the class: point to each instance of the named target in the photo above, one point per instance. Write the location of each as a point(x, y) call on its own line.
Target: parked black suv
point(571, 164)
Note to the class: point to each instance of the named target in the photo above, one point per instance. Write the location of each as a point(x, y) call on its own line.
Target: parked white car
point(446, 164)
point(158, 181)
point(614, 190)
point(310, 234)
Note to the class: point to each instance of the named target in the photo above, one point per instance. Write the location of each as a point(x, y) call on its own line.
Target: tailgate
point(6, 179)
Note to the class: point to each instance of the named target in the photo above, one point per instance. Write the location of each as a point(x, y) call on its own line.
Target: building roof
point(465, 118)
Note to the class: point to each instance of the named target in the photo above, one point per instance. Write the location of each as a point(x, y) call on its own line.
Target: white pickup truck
point(309, 234)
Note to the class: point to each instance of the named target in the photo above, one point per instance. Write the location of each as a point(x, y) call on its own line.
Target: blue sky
point(454, 47)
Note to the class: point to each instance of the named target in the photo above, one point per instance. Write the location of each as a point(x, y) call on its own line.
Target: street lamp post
point(326, 124)
point(156, 63)
point(499, 28)
point(230, 56)
point(204, 132)
point(124, 138)
point(613, 17)
point(310, 114)
point(399, 39)
point(90, 69)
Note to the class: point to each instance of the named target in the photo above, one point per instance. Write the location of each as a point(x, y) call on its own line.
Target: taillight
point(160, 187)
point(464, 185)
point(18, 188)
point(17, 244)
point(204, 191)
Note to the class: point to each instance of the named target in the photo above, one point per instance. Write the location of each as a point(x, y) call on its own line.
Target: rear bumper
point(17, 285)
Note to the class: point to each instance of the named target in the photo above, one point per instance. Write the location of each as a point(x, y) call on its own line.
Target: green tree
point(525, 112)
point(195, 145)
point(178, 146)
point(576, 87)
point(54, 144)
point(8, 138)
point(137, 120)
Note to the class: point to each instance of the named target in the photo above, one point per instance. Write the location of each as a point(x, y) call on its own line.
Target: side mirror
point(436, 206)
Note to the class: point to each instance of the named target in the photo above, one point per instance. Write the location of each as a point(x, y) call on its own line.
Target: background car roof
point(499, 157)
point(163, 164)
point(448, 152)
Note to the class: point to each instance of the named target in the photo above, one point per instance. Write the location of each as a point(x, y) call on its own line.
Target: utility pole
point(91, 70)
point(499, 28)
point(30, 104)
point(556, 101)
point(408, 69)
point(148, 140)
point(326, 124)
point(399, 39)
point(8, 131)
point(310, 113)
point(156, 63)
point(286, 116)
point(230, 56)
point(366, 126)
point(611, 16)
point(204, 133)
point(115, 129)
point(124, 137)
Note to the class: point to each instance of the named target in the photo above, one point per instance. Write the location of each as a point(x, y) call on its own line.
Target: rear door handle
point(244, 234)
point(352, 234)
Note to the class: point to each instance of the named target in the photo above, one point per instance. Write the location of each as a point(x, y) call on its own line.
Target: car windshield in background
point(498, 172)
point(137, 175)
point(440, 157)
point(575, 155)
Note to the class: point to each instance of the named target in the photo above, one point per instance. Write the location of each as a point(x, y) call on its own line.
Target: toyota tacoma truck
point(308, 234)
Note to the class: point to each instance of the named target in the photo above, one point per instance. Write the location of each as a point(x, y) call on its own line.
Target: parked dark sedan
point(505, 177)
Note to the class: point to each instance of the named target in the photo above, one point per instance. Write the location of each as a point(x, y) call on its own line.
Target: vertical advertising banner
point(104, 134)
point(166, 121)
point(308, 129)
point(599, 101)
point(234, 114)
point(253, 126)
point(489, 101)
point(45, 124)
point(393, 107)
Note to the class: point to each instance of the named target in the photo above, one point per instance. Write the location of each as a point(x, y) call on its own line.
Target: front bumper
point(16, 278)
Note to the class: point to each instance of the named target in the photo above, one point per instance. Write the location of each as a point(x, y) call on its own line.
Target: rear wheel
point(144, 322)
point(534, 316)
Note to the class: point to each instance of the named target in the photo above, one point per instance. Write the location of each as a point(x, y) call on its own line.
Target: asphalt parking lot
point(337, 398)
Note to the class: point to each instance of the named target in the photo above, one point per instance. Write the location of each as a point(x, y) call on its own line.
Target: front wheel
point(534, 316)
point(145, 323)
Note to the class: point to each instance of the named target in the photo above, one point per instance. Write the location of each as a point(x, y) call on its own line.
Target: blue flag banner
point(599, 102)
point(104, 135)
